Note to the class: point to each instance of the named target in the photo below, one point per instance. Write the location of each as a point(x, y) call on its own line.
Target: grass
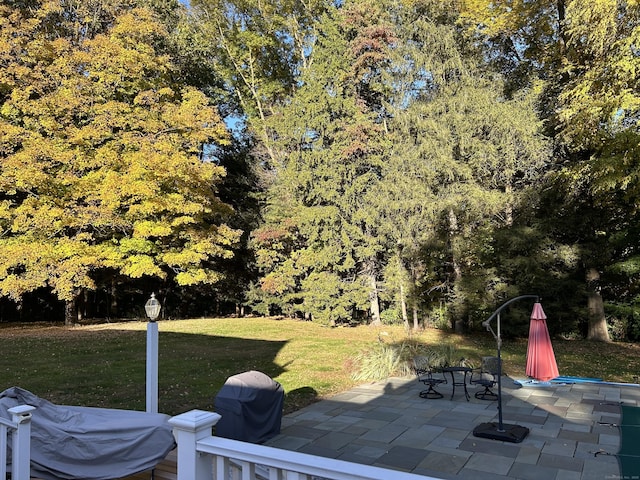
point(104, 365)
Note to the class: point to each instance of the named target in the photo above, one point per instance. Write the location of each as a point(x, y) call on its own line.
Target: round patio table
point(460, 380)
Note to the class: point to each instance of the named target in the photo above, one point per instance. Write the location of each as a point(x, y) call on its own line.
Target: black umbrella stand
point(501, 431)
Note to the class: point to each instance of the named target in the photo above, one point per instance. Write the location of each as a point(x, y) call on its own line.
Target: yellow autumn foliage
point(100, 154)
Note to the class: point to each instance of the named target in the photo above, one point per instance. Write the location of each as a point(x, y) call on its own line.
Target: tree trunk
point(561, 26)
point(403, 304)
point(453, 228)
point(113, 303)
point(508, 209)
point(416, 320)
point(70, 311)
point(401, 277)
point(458, 321)
point(375, 303)
point(84, 313)
point(597, 328)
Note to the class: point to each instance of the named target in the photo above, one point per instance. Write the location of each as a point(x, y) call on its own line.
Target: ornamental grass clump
point(385, 359)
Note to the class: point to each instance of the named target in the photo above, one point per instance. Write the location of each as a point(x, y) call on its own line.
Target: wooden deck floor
point(165, 470)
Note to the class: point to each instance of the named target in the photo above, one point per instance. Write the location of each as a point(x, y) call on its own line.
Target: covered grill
point(250, 404)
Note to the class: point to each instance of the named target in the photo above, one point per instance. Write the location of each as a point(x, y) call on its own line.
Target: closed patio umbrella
point(541, 361)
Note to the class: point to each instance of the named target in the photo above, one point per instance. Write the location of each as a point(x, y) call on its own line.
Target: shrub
point(395, 359)
point(391, 316)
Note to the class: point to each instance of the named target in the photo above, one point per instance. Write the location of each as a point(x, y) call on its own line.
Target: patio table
point(456, 380)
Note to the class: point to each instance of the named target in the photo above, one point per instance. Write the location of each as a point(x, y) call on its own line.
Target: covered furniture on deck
point(89, 443)
point(429, 376)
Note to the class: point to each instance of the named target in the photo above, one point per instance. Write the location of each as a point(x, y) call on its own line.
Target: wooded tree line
point(416, 161)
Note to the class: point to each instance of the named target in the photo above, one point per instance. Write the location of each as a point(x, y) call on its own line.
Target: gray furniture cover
point(69, 442)
point(250, 404)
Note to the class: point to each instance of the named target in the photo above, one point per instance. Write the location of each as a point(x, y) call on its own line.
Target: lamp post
point(152, 307)
point(501, 431)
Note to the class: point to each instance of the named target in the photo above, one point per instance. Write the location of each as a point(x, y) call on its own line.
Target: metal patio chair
point(486, 376)
point(429, 376)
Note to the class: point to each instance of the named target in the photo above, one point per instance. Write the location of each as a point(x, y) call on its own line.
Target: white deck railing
point(18, 429)
point(202, 456)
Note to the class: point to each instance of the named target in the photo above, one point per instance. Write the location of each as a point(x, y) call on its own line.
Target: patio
point(387, 424)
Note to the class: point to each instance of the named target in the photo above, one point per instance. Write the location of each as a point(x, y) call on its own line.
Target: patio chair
point(428, 376)
point(486, 376)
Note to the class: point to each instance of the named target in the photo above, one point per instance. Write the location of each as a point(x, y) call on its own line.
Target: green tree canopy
point(586, 55)
point(393, 142)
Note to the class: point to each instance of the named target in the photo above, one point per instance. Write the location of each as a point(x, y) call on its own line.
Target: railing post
point(188, 428)
point(21, 442)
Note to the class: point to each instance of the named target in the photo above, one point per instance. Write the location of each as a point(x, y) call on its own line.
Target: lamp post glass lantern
point(152, 307)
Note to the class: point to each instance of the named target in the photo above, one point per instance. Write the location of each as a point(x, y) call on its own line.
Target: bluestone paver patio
point(388, 425)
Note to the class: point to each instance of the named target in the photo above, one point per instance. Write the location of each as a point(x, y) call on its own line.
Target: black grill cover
point(250, 404)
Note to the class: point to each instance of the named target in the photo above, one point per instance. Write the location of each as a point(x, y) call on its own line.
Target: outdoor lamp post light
point(501, 431)
point(152, 307)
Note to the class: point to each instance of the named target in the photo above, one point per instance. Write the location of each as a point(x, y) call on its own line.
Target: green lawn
point(104, 365)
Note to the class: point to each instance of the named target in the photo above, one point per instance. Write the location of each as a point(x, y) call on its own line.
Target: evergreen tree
point(394, 142)
point(331, 151)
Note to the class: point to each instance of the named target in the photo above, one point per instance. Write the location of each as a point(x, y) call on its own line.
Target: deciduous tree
point(585, 54)
point(462, 156)
point(102, 154)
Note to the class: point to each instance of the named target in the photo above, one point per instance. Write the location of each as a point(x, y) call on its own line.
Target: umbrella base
point(508, 432)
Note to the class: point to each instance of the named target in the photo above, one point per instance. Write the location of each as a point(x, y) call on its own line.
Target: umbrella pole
point(500, 431)
point(499, 342)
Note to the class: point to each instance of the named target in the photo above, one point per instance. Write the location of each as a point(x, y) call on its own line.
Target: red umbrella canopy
point(541, 361)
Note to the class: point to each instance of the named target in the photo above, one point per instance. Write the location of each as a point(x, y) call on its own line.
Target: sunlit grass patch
point(104, 365)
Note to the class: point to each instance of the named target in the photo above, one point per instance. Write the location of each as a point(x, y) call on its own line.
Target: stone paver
point(388, 425)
